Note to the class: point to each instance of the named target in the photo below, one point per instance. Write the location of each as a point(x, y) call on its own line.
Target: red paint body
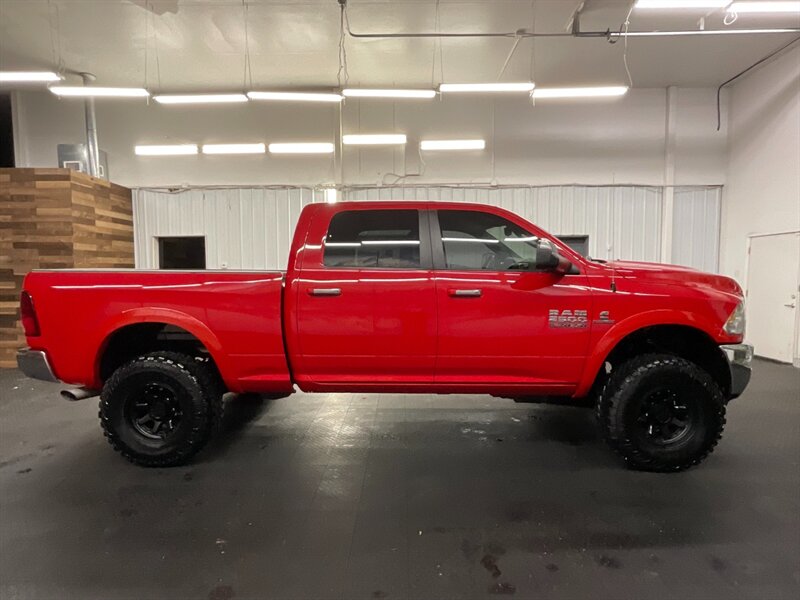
point(389, 329)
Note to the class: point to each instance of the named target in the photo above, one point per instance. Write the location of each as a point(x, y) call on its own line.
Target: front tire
point(160, 409)
point(661, 413)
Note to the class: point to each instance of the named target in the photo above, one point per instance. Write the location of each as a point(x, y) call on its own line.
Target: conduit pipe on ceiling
point(575, 31)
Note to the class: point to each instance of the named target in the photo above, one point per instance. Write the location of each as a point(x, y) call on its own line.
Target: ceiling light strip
point(295, 96)
point(234, 148)
point(28, 76)
point(486, 87)
point(199, 98)
point(301, 148)
point(689, 32)
point(98, 92)
point(678, 4)
point(764, 7)
point(388, 93)
point(580, 92)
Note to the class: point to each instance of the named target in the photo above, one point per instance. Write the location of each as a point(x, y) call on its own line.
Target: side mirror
point(548, 259)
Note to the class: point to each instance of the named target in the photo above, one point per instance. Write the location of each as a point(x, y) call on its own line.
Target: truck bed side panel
point(236, 315)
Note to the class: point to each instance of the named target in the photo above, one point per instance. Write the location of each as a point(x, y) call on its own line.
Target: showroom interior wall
point(596, 142)
point(251, 228)
point(552, 154)
point(763, 158)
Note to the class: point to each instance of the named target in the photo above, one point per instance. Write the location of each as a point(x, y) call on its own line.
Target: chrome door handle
point(325, 292)
point(465, 293)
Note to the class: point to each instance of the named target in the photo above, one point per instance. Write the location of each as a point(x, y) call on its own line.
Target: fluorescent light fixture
point(295, 96)
point(374, 140)
point(28, 76)
point(764, 7)
point(199, 98)
point(486, 87)
point(682, 3)
point(169, 150)
point(690, 32)
point(580, 92)
point(331, 195)
point(234, 148)
point(302, 148)
point(452, 144)
point(387, 93)
point(91, 91)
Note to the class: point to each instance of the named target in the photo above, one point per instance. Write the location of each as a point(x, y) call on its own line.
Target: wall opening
point(182, 252)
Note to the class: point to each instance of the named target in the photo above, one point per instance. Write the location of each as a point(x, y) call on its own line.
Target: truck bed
point(235, 314)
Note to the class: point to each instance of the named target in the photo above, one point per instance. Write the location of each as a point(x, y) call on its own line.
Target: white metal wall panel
point(622, 222)
point(245, 228)
point(695, 228)
point(251, 228)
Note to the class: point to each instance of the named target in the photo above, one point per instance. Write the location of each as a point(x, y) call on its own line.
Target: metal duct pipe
point(92, 148)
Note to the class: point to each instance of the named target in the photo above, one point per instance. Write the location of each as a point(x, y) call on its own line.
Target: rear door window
point(386, 239)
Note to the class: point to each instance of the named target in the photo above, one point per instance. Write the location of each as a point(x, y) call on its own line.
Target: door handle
point(465, 293)
point(325, 292)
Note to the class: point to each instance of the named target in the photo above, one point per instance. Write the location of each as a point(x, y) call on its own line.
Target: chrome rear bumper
point(740, 358)
point(34, 364)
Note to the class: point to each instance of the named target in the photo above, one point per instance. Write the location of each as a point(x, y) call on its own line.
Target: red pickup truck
point(422, 297)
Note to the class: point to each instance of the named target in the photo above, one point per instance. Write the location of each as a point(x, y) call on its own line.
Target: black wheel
point(661, 413)
point(160, 409)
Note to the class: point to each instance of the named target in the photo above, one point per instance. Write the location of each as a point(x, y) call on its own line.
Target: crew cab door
point(501, 322)
point(366, 305)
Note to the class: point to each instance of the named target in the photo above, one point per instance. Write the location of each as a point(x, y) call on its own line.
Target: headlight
point(735, 323)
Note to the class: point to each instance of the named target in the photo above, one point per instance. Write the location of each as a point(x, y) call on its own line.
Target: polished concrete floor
point(391, 496)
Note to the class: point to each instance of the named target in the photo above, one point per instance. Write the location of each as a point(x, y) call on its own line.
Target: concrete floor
point(355, 496)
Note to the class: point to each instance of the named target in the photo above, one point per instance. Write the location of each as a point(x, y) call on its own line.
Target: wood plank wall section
point(56, 219)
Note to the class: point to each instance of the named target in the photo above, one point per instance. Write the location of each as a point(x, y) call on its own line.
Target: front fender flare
point(619, 331)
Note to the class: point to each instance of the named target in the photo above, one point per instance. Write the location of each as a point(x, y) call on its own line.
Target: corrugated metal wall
point(621, 221)
point(247, 228)
point(251, 228)
point(696, 226)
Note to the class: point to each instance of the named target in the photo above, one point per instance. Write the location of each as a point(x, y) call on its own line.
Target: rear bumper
point(740, 358)
point(34, 364)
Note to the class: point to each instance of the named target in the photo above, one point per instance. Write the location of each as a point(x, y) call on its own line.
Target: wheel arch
point(689, 338)
point(140, 331)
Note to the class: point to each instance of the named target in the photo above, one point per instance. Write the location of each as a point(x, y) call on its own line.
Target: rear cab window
point(382, 238)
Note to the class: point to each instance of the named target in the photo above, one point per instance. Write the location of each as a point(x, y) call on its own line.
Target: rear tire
point(661, 413)
point(161, 408)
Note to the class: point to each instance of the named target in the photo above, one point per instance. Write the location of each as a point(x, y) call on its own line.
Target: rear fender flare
point(170, 317)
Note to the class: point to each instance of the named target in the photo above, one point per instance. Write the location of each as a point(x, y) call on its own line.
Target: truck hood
point(674, 275)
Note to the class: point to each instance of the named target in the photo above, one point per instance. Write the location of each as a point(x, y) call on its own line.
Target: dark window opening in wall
point(6, 133)
point(579, 243)
point(182, 252)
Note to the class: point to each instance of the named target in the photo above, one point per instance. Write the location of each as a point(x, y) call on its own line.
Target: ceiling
point(198, 45)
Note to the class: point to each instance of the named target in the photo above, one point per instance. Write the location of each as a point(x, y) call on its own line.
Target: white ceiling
point(196, 45)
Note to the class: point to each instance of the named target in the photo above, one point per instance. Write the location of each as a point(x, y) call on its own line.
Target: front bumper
point(34, 364)
point(740, 357)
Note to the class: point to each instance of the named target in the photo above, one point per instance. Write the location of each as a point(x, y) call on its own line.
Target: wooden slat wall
point(56, 219)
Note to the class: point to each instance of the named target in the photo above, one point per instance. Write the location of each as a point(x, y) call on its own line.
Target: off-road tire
point(622, 401)
point(198, 396)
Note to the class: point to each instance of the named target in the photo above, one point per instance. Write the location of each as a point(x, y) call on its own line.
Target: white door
point(773, 270)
